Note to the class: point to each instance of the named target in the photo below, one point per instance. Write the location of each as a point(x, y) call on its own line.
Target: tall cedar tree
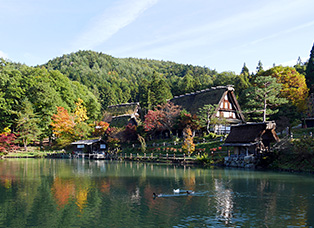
point(310, 71)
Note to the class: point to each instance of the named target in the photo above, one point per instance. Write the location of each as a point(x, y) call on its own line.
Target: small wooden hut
point(252, 138)
point(92, 146)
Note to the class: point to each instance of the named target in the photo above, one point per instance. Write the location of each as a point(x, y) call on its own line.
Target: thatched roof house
point(252, 137)
point(222, 96)
point(122, 109)
point(123, 114)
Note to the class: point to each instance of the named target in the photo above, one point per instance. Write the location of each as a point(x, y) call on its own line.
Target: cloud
point(111, 21)
point(3, 55)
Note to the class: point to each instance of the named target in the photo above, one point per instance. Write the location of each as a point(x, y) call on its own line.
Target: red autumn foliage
point(7, 142)
point(162, 118)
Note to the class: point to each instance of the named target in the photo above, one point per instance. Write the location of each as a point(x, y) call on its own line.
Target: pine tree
point(263, 96)
point(310, 71)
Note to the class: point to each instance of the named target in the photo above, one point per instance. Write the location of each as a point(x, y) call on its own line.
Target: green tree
point(207, 117)
point(259, 67)
point(263, 97)
point(159, 91)
point(27, 124)
point(310, 71)
point(245, 71)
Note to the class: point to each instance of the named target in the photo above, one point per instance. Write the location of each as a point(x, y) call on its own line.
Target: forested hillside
point(117, 80)
point(30, 96)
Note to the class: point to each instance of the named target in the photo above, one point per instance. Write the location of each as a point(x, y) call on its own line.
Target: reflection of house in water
point(228, 107)
point(224, 201)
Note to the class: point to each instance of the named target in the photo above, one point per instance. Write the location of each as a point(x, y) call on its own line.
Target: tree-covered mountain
point(120, 80)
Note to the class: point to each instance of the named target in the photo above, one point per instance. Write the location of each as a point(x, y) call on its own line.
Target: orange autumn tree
point(70, 126)
point(63, 123)
point(100, 128)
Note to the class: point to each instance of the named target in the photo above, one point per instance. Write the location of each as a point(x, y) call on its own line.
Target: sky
point(218, 34)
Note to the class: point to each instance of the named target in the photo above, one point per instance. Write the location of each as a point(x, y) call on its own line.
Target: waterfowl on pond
point(176, 190)
point(191, 192)
point(155, 195)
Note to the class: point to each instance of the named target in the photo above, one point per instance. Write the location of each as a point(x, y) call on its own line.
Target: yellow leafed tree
point(188, 145)
point(80, 111)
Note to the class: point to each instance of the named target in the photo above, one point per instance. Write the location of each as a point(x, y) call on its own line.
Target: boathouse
point(92, 146)
point(223, 97)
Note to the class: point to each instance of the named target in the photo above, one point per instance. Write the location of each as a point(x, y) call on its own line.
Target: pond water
point(83, 193)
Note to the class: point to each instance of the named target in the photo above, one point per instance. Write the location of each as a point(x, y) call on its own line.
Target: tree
point(207, 117)
point(159, 91)
point(188, 145)
point(263, 97)
point(293, 83)
point(310, 71)
point(100, 128)
point(186, 119)
point(63, 124)
point(7, 142)
point(300, 66)
point(80, 111)
point(245, 71)
point(162, 118)
point(259, 67)
point(27, 124)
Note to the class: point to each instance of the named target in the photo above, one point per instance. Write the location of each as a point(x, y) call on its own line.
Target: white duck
point(176, 190)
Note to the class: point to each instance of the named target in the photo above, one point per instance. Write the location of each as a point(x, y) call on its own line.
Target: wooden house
point(92, 146)
point(252, 138)
point(123, 114)
point(228, 107)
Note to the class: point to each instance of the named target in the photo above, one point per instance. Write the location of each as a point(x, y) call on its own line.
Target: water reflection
point(224, 198)
point(83, 193)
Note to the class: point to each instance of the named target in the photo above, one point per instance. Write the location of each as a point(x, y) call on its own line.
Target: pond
point(84, 193)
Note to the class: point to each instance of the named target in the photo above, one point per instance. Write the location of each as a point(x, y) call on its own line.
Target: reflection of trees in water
point(53, 193)
point(224, 201)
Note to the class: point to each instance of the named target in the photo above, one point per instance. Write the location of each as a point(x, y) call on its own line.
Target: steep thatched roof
point(123, 120)
point(122, 109)
point(251, 133)
point(192, 102)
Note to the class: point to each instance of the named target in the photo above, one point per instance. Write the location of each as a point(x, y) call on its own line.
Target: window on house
point(102, 146)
